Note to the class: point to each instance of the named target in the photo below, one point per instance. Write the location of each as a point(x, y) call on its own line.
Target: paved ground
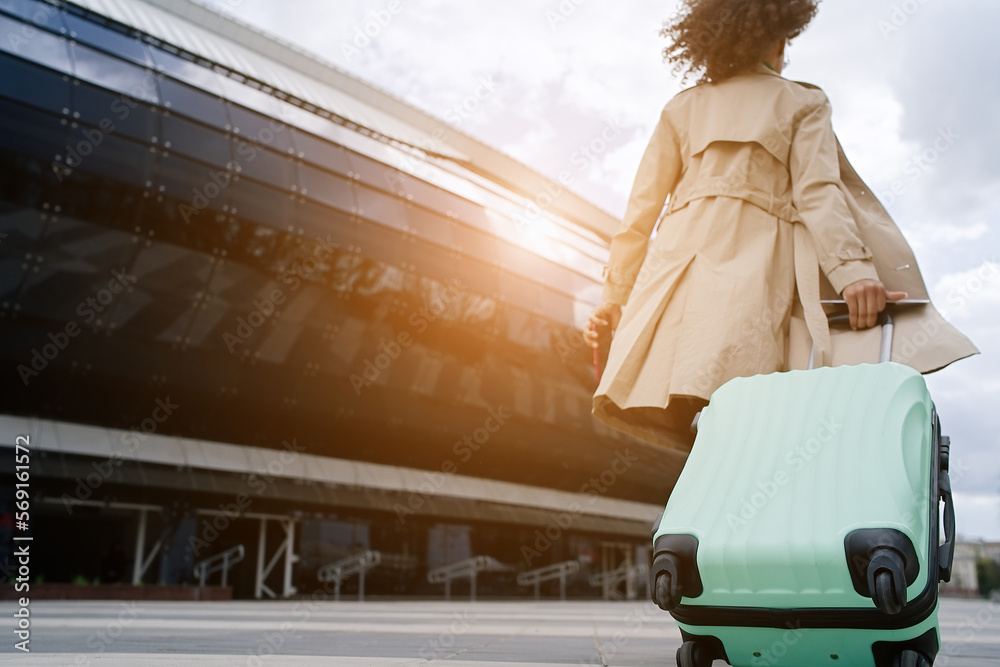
point(390, 634)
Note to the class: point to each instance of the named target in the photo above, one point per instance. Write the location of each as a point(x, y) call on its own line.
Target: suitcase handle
point(946, 551)
point(844, 319)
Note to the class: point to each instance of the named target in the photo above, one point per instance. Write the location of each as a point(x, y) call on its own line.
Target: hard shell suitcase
point(804, 528)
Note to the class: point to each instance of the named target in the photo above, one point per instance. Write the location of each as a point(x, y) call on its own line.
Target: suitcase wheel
point(890, 592)
point(913, 659)
point(693, 654)
point(666, 595)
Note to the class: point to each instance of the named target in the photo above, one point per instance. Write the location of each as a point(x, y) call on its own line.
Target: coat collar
point(761, 68)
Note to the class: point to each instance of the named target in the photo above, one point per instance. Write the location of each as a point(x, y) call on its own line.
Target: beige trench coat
point(764, 217)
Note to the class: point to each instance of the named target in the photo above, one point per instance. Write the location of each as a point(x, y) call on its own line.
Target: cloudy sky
point(915, 86)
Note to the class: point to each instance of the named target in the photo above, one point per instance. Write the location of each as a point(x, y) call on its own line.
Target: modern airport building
point(265, 322)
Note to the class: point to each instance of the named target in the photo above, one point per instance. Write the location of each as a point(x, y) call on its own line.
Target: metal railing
point(343, 569)
point(557, 571)
point(469, 567)
point(218, 563)
point(609, 581)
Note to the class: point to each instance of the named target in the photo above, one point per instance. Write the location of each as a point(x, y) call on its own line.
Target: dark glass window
point(193, 103)
point(195, 140)
point(474, 243)
point(320, 221)
point(260, 129)
point(433, 261)
point(430, 226)
point(326, 188)
point(34, 44)
point(320, 152)
point(474, 276)
point(54, 293)
point(258, 163)
point(27, 131)
point(378, 243)
point(114, 74)
point(381, 208)
point(35, 85)
point(110, 156)
point(374, 174)
point(423, 193)
point(260, 203)
point(39, 14)
point(467, 212)
point(127, 46)
point(187, 71)
point(127, 116)
point(194, 185)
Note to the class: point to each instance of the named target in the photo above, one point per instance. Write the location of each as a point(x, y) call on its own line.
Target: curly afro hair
point(721, 38)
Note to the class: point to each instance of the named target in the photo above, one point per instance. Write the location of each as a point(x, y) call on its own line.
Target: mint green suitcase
point(803, 530)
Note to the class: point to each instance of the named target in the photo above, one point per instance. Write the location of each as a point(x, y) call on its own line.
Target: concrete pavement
point(397, 634)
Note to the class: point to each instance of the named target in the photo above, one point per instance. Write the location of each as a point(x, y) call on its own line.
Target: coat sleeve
point(815, 172)
point(656, 178)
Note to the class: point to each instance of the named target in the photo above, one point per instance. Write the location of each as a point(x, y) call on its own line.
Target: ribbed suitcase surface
point(785, 468)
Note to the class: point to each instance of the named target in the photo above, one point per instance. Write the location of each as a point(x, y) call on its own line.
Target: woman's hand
point(866, 299)
point(607, 314)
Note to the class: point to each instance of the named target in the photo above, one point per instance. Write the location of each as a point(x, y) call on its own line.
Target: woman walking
point(760, 217)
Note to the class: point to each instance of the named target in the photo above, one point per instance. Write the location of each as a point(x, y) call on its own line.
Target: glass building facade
point(176, 230)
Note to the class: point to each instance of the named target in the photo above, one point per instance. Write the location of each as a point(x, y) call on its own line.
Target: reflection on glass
point(430, 226)
point(33, 84)
point(382, 208)
point(114, 74)
point(195, 140)
point(324, 187)
point(194, 103)
point(187, 71)
point(325, 223)
point(124, 116)
point(31, 43)
point(29, 132)
point(260, 203)
point(250, 97)
point(195, 186)
point(262, 130)
point(107, 39)
point(320, 152)
point(117, 158)
point(474, 243)
point(519, 291)
point(372, 173)
point(253, 161)
point(37, 14)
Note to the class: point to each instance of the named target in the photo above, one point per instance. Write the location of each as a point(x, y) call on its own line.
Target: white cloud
point(977, 515)
point(970, 293)
point(946, 233)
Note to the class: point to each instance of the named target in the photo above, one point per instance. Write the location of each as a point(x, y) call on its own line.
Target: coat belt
point(777, 206)
point(807, 282)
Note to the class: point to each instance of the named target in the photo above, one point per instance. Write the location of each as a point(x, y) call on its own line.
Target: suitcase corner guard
point(883, 563)
point(674, 573)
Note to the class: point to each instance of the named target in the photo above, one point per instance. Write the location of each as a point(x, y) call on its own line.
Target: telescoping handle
point(844, 319)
